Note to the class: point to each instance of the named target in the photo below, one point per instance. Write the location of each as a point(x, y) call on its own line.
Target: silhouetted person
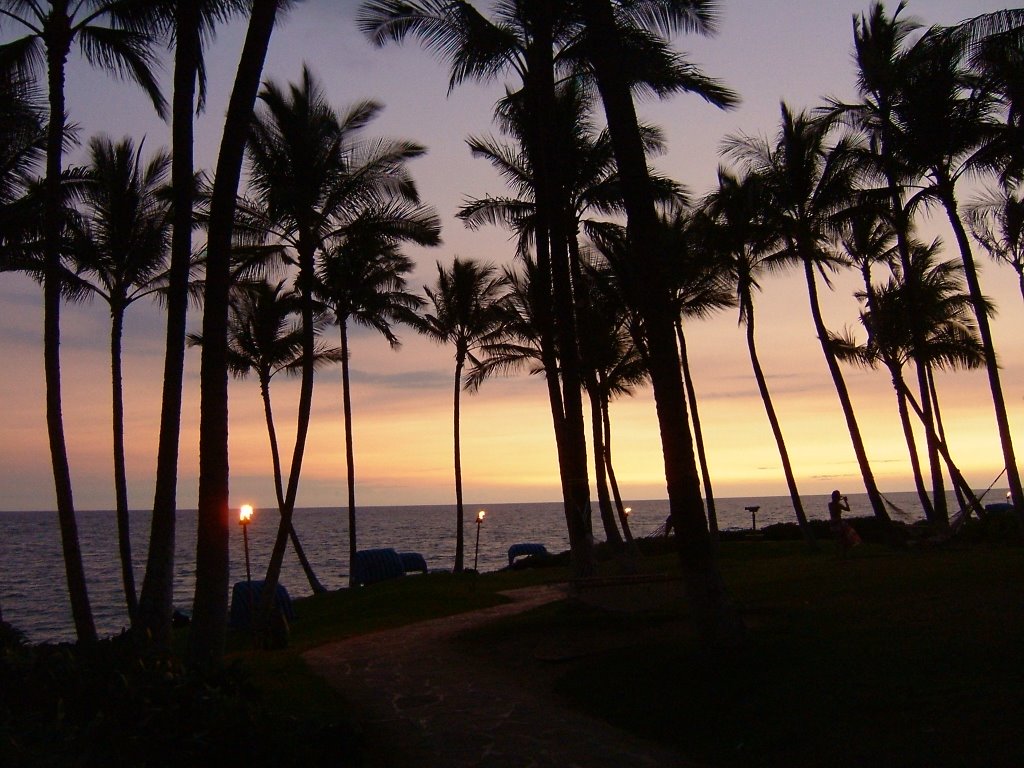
point(846, 536)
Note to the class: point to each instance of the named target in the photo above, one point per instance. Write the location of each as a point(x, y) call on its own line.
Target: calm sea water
point(32, 585)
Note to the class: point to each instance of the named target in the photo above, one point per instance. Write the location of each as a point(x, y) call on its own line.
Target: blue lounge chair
point(240, 616)
point(526, 550)
point(373, 565)
point(413, 561)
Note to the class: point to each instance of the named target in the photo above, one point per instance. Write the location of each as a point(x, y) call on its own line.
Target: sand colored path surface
point(426, 703)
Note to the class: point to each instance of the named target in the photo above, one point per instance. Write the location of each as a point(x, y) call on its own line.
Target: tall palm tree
point(810, 183)
point(108, 35)
point(210, 609)
point(734, 226)
point(604, 50)
point(996, 220)
point(362, 278)
point(264, 340)
point(122, 249)
point(191, 24)
point(947, 117)
point(524, 38)
point(465, 313)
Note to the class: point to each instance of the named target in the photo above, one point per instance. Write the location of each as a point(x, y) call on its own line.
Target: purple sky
point(767, 50)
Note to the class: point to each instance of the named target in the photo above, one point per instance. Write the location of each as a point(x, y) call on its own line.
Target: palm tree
point(262, 339)
point(107, 34)
point(868, 240)
point(465, 301)
point(810, 183)
point(362, 278)
point(122, 248)
point(698, 290)
point(524, 38)
point(920, 315)
point(947, 119)
point(312, 177)
point(614, 366)
point(996, 220)
point(604, 50)
point(210, 608)
point(880, 48)
point(735, 210)
point(190, 23)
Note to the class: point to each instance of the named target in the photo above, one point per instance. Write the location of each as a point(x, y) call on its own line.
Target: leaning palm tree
point(108, 34)
point(465, 303)
point(735, 211)
point(123, 235)
point(922, 316)
point(362, 279)
point(996, 220)
point(809, 183)
point(264, 340)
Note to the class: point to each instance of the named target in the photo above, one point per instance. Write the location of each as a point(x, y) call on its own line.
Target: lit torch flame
point(245, 514)
point(480, 516)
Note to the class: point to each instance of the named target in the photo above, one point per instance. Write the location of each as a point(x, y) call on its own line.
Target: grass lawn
point(902, 658)
point(887, 658)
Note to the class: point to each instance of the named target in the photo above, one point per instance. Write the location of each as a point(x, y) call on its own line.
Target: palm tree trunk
point(877, 505)
point(611, 530)
point(460, 526)
point(941, 509)
point(350, 460)
point(270, 628)
point(991, 364)
point(81, 611)
point(156, 601)
point(908, 432)
point(609, 466)
point(954, 472)
point(773, 421)
point(210, 608)
point(541, 89)
point(698, 434)
point(717, 622)
point(124, 542)
point(307, 569)
point(940, 430)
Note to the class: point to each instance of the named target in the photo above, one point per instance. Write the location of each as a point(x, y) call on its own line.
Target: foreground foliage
point(103, 705)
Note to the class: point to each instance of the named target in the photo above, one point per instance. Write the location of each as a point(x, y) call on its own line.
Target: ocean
point(33, 593)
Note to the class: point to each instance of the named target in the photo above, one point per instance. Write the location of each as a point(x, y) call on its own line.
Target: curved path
point(424, 703)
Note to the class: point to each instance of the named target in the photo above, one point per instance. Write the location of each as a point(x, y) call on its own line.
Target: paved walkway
point(426, 703)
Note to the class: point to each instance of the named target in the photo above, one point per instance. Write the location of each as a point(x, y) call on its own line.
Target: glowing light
point(628, 510)
point(480, 516)
point(245, 514)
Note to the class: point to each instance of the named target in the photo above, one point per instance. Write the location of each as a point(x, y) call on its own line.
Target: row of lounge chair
point(370, 567)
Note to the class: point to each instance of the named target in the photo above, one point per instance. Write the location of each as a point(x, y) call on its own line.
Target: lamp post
point(244, 518)
point(479, 520)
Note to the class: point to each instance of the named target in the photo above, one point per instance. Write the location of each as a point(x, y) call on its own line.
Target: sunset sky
point(767, 50)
